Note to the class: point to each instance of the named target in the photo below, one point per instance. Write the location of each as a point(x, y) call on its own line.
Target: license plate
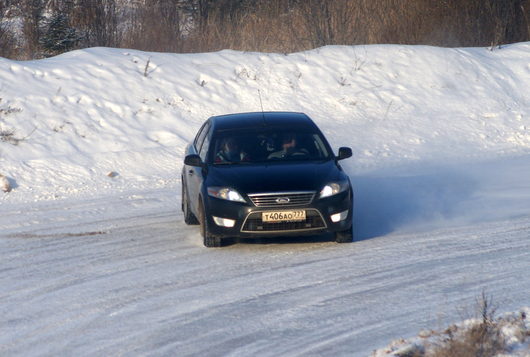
point(283, 216)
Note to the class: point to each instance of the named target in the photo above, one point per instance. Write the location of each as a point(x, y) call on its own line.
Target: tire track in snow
point(148, 287)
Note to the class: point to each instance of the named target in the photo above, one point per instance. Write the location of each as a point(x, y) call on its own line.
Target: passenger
point(230, 152)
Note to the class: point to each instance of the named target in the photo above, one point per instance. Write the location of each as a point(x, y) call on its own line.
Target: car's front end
point(303, 203)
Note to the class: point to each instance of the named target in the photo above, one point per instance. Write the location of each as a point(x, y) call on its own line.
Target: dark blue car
point(267, 174)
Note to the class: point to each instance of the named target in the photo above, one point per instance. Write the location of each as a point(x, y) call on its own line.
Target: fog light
point(337, 217)
point(224, 222)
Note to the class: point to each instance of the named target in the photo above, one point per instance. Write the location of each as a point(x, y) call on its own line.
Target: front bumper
point(248, 223)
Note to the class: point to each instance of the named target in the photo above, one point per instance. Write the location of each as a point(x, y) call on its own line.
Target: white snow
point(95, 258)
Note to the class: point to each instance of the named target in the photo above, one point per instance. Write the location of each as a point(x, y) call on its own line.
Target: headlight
point(225, 193)
point(333, 188)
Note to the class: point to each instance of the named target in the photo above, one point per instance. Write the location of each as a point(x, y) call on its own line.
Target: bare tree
point(267, 25)
point(98, 21)
point(156, 25)
point(32, 15)
point(7, 40)
point(510, 22)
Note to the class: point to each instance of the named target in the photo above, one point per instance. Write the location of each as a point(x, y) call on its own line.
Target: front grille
point(254, 223)
point(282, 199)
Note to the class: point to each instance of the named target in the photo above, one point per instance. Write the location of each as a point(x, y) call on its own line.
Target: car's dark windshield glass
point(269, 146)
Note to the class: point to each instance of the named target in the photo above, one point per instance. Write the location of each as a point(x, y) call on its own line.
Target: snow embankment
point(430, 127)
point(438, 134)
point(79, 115)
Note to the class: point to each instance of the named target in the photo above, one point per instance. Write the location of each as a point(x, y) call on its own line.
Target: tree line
point(39, 28)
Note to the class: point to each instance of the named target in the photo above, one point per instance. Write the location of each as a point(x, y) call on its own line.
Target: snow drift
point(415, 116)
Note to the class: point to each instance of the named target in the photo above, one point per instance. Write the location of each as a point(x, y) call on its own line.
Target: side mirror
point(344, 153)
point(193, 160)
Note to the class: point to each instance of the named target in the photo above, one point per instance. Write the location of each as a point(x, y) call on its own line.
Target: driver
point(230, 152)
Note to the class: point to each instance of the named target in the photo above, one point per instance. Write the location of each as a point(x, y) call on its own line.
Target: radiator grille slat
point(282, 199)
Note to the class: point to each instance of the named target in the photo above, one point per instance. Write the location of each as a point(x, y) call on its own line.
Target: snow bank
point(415, 116)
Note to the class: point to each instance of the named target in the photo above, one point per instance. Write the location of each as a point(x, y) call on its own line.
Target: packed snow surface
point(96, 260)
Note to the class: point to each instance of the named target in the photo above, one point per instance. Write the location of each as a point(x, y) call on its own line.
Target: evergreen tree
point(58, 37)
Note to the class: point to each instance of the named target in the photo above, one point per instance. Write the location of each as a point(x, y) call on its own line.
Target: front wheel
point(345, 236)
point(189, 217)
point(209, 240)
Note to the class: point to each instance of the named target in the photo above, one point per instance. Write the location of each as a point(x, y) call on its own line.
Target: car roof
point(284, 120)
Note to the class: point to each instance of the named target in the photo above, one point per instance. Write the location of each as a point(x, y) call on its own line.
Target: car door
point(195, 175)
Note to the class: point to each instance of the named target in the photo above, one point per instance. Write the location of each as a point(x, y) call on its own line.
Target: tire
point(209, 240)
point(189, 217)
point(345, 236)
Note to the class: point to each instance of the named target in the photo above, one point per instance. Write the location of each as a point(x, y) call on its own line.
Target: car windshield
point(253, 147)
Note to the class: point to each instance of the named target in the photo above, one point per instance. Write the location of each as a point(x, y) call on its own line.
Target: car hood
point(277, 177)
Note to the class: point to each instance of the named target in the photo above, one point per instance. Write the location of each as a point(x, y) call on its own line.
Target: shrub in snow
point(506, 336)
point(4, 184)
point(476, 338)
point(8, 136)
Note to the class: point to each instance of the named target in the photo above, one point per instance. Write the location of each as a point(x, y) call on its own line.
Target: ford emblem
point(282, 200)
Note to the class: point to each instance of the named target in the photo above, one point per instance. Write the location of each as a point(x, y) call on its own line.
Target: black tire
point(209, 240)
point(189, 217)
point(345, 236)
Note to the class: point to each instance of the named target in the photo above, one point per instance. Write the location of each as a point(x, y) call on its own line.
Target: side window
point(200, 136)
point(204, 147)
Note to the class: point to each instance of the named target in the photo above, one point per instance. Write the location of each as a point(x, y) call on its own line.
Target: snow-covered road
point(123, 275)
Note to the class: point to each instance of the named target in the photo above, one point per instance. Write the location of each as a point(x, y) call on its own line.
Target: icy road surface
point(123, 275)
